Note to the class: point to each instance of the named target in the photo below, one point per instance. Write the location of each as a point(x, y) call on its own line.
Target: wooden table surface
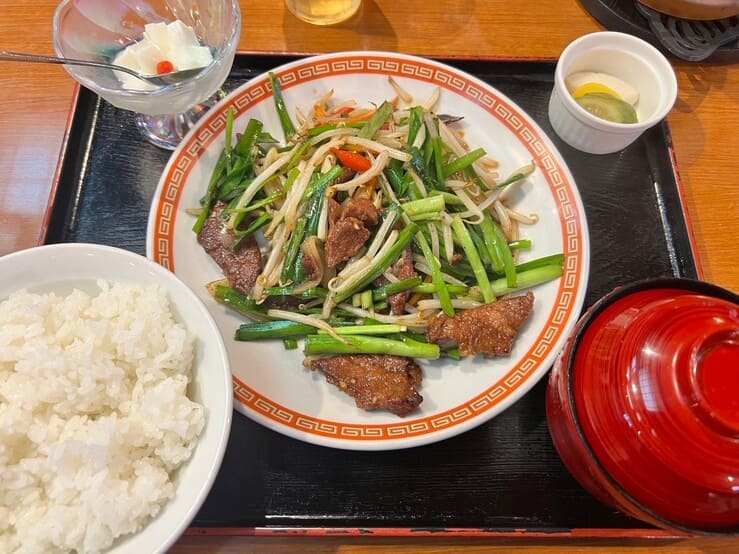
point(35, 102)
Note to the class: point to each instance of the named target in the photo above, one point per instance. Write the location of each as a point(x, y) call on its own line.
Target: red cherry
point(165, 66)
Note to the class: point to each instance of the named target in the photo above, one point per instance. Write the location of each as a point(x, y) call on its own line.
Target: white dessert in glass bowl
point(165, 47)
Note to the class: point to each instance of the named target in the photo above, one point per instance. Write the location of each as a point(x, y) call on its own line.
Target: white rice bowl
point(115, 401)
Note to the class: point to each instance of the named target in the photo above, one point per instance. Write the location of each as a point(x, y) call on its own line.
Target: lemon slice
point(592, 81)
point(589, 88)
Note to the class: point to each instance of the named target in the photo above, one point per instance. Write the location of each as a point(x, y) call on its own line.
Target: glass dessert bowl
point(134, 33)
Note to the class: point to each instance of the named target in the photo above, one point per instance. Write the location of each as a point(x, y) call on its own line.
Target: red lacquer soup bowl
point(643, 404)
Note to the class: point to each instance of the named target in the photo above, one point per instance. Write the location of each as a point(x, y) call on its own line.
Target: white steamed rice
point(94, 415)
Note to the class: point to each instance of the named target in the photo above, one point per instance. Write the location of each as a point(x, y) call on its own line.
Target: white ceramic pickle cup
point(624, 56)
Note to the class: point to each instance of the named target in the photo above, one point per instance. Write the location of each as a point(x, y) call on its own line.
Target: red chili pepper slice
point(165, 66)
point(352, 160)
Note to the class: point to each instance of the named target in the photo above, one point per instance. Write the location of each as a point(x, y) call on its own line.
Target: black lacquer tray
point(502, 478)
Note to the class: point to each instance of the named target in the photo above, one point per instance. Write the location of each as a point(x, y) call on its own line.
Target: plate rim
point(392, 438)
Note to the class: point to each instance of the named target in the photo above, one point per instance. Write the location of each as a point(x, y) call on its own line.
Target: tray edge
point(446, 532)
point(61, 164)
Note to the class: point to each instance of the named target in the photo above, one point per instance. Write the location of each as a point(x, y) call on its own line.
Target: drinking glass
point(323, 12)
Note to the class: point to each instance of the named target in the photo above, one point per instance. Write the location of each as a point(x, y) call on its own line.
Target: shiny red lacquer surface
point(643, 404)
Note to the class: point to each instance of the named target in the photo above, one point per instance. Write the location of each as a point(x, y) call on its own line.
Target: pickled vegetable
point(608, 107)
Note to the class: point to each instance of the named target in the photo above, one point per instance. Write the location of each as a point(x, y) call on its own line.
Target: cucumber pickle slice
point(608, 107)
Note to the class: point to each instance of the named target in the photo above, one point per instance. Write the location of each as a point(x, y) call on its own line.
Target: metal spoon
point(158, 80)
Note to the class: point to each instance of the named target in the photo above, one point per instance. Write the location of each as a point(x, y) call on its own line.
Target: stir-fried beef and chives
point(382, 235)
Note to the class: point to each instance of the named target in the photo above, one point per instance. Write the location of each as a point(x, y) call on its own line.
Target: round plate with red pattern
point(271, 385)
